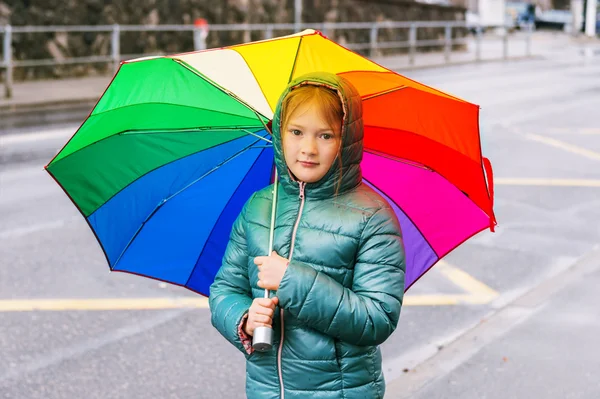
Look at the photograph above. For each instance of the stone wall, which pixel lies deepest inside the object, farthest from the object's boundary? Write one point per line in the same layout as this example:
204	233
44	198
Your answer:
61	46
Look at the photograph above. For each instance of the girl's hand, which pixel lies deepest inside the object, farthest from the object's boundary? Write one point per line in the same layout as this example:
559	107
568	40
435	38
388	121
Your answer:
271	270
260	314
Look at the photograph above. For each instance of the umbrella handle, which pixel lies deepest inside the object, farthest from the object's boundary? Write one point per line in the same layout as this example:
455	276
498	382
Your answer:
262	340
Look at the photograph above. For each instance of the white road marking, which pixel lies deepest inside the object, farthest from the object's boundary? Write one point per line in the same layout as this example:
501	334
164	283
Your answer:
522	181
23	231
62	133
584	152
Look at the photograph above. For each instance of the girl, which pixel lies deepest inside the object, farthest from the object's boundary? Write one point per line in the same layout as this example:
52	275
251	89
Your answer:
338	265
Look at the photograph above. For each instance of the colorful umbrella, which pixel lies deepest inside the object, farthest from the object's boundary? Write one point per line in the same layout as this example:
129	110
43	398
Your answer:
162	166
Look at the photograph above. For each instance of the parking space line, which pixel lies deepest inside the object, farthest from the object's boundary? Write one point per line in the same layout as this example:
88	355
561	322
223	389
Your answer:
573	131
589	131
116	304
564	146
29	305
446	300
518	181
478	291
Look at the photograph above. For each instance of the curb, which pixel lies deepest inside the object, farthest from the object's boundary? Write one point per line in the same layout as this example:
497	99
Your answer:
34	106
499	322
18	116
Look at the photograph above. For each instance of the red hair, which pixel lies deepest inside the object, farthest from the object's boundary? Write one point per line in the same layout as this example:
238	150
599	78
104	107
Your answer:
326	102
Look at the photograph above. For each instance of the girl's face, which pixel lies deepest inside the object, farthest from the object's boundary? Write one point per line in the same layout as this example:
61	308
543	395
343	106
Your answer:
310	145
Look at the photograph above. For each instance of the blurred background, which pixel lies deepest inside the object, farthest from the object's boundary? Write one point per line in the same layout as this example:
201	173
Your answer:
91	27
508	314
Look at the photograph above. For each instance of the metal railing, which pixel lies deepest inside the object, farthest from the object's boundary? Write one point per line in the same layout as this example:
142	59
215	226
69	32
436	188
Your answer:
372	46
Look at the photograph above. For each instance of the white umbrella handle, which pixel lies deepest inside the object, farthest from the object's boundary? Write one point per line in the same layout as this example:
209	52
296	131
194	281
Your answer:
262	340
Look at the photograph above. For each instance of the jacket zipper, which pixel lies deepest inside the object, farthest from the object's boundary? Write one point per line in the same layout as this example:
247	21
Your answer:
302	185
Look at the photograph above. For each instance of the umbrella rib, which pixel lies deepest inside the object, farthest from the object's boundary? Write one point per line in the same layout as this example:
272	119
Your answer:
171	131
164	201
381	93
256	80
210	171
438	172
121	133
257	136
218	86
186	130
396	159
160	166
387	70
204	247
86	217
394	129
175	105
228	92
295	59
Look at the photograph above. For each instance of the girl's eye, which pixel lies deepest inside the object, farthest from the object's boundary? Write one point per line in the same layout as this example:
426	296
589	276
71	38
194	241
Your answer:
327	136
295	132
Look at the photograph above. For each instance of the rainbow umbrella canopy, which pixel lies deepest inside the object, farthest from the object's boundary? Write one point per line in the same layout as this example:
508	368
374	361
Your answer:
175	146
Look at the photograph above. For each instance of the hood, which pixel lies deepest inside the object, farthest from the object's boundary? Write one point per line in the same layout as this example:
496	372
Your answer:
352	139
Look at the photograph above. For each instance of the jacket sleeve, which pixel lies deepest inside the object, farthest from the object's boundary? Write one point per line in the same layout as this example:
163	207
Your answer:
366	314
230	293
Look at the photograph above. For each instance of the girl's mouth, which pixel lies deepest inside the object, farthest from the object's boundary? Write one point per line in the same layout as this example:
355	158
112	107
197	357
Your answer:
308	164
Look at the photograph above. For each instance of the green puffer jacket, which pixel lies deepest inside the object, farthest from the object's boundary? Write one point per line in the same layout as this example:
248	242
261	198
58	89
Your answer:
342	291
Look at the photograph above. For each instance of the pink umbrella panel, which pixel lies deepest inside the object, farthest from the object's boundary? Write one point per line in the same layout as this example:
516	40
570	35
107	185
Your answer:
431	227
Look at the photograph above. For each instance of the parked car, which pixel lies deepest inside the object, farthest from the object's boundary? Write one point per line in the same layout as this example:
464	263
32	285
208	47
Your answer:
553	19
519	15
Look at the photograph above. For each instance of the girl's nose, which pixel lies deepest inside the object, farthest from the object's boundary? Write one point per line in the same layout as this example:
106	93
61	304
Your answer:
309	146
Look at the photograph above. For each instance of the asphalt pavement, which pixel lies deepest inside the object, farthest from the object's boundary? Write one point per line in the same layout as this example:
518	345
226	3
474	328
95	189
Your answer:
510	314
